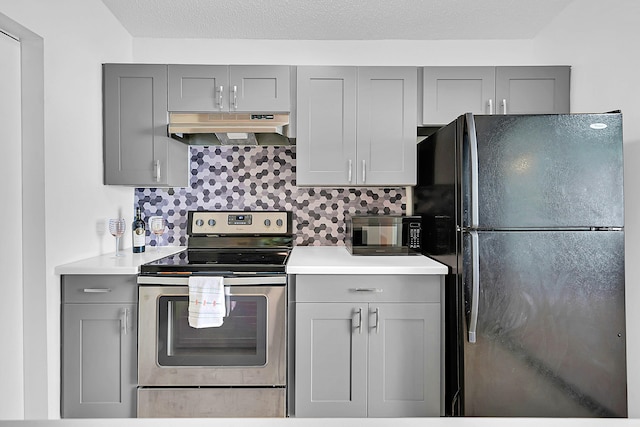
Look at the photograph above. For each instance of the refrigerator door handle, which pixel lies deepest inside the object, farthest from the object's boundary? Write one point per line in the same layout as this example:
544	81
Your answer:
473	147
475	286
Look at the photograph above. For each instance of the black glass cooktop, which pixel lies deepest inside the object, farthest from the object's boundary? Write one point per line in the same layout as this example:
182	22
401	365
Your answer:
218	260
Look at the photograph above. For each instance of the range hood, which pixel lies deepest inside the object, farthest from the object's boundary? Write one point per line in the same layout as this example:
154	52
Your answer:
226	128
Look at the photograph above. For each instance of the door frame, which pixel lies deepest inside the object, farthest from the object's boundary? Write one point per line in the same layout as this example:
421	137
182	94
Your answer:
33	219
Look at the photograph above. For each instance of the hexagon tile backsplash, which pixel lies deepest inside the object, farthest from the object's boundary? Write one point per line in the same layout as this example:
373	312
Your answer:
262	178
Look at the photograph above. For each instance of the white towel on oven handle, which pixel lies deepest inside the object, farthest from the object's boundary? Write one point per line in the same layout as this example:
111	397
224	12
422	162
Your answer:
206	301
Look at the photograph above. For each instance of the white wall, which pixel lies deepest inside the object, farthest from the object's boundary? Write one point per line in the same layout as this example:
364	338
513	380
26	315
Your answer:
74	199
312	52
12	384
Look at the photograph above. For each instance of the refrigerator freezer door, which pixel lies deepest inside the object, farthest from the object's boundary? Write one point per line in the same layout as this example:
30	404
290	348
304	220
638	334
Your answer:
544	171
550	338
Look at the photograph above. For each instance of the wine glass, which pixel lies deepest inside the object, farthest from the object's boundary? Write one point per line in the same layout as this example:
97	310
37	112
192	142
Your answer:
116	228
157	226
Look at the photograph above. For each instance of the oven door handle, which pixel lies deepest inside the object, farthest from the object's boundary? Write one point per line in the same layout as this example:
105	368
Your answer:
228	281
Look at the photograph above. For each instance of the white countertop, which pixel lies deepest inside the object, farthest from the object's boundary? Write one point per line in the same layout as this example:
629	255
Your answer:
303	260
110	264
338	260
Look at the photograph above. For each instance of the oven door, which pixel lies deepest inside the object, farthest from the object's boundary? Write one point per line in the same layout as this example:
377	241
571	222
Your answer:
248	349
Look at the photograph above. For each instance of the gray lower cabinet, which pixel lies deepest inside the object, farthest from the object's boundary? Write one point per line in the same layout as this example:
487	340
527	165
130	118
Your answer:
356	125
137	149
451	91
99	346
229	88
375	354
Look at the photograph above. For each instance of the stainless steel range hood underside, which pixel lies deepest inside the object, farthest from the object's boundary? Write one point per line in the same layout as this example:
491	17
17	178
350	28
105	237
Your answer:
229	128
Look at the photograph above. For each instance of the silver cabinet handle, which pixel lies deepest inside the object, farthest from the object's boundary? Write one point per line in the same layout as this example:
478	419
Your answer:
220	93
359	324
504	106
473	142
125	320
157	166
235	97
490	104
364	171
475	287
377	290
350	170
377	325
96	290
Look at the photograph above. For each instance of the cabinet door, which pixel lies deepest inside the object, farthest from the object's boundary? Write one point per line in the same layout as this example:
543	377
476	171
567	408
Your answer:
532	90
137	150
449	92
99	361
331	360
326	126
404	360
386	132
198	88
259	88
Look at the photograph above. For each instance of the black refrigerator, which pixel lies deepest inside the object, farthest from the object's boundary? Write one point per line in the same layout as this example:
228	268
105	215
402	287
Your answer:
527	211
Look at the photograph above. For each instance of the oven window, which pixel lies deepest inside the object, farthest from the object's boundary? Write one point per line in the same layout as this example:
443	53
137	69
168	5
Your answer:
240	341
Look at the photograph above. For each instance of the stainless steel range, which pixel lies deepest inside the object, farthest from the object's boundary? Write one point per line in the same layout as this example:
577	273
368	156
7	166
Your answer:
237	369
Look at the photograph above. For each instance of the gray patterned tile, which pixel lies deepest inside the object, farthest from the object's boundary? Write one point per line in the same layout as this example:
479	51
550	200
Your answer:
262	178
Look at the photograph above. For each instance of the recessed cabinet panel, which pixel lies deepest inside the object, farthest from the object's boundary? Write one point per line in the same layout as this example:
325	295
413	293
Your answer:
386	133
99	360
197	87
338	386
449	92
330	361
533	90
326	125
335	139
100	348
260	88
404	360
137	150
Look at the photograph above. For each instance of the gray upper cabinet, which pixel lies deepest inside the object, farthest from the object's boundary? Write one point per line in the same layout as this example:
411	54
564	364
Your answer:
386	130
137	150
99	355
222	88
451	91
356	125
326	125
532	90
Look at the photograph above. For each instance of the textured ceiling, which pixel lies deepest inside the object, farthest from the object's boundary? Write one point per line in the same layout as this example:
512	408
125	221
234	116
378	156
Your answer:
336	19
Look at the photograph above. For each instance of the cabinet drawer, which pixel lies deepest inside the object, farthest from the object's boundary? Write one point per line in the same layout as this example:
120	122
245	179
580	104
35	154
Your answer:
99	288
368	288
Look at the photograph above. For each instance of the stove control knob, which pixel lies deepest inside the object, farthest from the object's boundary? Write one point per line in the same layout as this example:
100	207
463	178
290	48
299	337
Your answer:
267	222
212	222
279	223
199	223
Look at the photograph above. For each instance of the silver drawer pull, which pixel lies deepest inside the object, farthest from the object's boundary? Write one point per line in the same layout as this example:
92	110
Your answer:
377	290
377	325
96	290
359	325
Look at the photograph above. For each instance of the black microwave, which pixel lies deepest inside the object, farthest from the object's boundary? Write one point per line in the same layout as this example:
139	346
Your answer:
383	234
